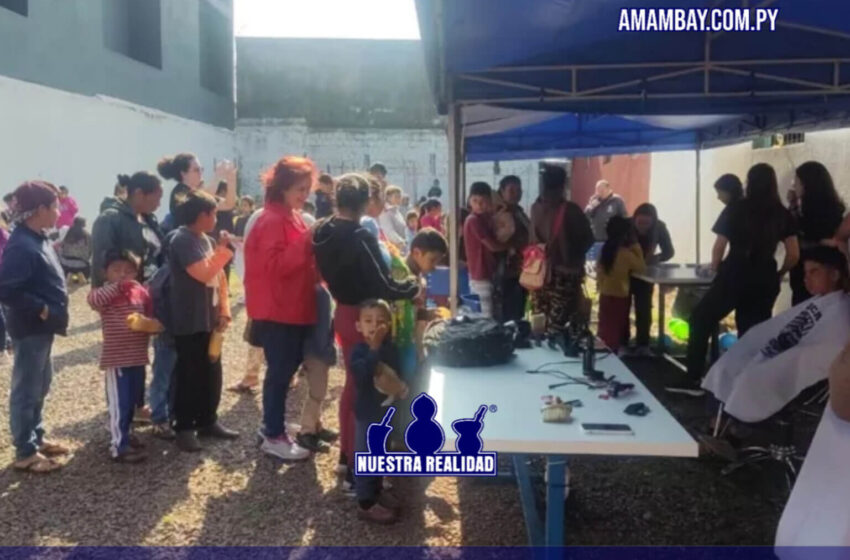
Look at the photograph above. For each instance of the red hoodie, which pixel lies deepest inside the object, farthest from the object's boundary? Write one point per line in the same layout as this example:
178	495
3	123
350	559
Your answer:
280	271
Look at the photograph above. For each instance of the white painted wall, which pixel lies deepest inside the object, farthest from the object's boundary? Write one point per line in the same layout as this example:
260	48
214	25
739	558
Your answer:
414	157
85	142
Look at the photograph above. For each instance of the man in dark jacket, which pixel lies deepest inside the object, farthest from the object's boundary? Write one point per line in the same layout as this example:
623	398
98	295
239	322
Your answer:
128	226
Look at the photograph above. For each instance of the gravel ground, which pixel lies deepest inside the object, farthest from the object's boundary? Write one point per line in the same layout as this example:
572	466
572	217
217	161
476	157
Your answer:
231	495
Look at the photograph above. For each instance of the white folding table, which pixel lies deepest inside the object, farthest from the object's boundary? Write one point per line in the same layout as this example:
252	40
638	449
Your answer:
668	277
515	424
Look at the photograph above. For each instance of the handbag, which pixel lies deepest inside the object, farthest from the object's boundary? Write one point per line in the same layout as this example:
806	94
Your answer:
535	260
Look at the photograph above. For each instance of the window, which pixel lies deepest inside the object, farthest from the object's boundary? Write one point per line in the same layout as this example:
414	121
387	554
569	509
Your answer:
778	140
215	26
18	6
134	29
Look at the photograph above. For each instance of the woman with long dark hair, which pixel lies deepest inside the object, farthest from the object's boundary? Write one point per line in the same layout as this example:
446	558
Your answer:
821	212
186	169
747	280
657	247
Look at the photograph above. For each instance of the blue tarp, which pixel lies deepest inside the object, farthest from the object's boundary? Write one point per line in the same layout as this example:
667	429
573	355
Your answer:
568	55
576	134
567	58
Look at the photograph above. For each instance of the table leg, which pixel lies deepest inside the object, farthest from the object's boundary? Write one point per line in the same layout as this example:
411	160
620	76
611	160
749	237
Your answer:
528	501
662	345
556	467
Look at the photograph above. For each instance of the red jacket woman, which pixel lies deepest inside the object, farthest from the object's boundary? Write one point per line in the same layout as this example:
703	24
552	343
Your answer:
280	272
280	291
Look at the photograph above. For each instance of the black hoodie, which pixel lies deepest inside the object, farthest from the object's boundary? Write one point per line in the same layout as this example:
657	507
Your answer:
118	227
350	262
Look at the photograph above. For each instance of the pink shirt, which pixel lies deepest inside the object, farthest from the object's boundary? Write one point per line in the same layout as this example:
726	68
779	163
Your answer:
432	222
67	212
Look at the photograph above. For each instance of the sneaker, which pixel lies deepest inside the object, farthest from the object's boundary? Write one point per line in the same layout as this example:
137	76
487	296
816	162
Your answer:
346	483
312	442
163	431
327	435
688	387
377	514
284	448
142	415
187	441
217	431
131	457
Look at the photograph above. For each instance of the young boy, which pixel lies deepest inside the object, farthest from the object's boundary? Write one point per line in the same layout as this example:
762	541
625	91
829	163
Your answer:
412	221
33	292
825	270
199	291
376	357
427	250
319	356
481	245
391	219
124	355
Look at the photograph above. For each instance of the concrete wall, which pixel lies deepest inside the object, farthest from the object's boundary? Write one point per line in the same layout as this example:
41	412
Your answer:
335	83
84	142
61	44
414	157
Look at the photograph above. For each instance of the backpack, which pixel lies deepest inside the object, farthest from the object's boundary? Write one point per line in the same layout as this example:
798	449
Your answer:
467	342
535	263
159	287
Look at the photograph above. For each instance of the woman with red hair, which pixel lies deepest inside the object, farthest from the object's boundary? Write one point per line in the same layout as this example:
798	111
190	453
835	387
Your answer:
280	292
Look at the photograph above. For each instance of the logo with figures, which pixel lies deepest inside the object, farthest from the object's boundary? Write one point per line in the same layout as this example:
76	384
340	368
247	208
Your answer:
425	438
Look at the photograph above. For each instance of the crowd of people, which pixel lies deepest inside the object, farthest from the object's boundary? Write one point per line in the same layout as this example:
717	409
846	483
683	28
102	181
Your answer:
168	284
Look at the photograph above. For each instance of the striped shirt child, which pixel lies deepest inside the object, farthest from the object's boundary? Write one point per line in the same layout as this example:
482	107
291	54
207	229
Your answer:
124	354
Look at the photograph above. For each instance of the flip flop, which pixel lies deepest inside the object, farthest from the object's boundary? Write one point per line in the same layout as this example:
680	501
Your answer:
37	464
50	449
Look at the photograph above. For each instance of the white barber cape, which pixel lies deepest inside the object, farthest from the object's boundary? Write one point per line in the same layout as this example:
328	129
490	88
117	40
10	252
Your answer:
776	360
818	511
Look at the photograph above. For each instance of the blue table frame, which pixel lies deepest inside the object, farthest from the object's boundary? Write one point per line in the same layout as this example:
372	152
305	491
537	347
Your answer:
547	532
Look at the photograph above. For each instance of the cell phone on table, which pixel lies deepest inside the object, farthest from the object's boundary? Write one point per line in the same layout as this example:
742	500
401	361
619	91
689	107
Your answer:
607	429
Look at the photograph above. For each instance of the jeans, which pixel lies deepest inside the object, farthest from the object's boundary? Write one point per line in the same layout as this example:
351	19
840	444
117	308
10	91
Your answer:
367	488
197	383
283	346
161	390
484	290
31	376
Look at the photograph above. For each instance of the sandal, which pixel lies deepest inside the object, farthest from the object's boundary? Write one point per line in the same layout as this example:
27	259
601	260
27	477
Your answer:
51	449
243	389
37	464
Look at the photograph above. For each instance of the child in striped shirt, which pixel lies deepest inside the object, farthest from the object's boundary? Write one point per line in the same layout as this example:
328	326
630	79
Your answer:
125	309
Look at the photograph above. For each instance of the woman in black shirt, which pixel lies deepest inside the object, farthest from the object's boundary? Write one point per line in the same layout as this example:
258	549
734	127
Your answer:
747	280
821	212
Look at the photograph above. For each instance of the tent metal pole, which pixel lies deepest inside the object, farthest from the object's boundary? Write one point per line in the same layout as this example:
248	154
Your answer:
698	224
455	138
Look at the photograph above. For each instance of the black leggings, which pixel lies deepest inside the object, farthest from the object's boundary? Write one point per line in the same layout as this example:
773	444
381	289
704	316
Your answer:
197	383
641	294
749	290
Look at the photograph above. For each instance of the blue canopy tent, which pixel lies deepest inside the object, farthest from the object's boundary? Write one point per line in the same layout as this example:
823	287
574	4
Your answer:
568	59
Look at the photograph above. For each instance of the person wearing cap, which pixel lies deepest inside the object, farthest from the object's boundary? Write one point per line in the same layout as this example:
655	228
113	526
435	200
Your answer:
33	291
